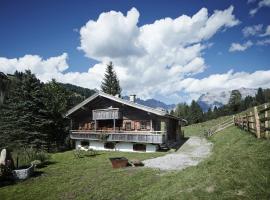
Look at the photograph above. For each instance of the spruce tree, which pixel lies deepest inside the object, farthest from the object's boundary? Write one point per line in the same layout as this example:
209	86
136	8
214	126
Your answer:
196	113
24	120
235	101
260	98
110	83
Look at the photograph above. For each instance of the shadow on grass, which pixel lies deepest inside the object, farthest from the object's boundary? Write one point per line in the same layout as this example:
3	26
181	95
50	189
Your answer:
46	164
83	155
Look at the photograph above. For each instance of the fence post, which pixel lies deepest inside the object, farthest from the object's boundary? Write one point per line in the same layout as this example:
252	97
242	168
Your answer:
247	118
257	122
266	123
251	122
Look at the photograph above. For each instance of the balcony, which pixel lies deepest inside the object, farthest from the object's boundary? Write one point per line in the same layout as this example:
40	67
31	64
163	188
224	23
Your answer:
104	114
153	137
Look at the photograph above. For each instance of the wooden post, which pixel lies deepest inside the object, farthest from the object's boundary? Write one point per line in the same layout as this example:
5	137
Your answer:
247	120
257	122
251	120
114	124
95	125
151	125
266	123
71	125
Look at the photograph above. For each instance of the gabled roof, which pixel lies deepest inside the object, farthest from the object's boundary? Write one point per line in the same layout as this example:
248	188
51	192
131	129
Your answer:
119	100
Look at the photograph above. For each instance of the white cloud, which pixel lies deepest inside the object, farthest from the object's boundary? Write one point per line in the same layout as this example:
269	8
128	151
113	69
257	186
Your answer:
265	42
150	60
240	47
35	63
227	81
252	30
262	3
267	32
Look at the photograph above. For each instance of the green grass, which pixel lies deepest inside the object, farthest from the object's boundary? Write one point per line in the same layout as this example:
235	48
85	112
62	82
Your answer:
237	169
199	128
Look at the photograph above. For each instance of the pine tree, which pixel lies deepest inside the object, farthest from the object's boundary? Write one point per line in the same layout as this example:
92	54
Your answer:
110	83
235	101
4	83
24	120
260	98
56	102
196	113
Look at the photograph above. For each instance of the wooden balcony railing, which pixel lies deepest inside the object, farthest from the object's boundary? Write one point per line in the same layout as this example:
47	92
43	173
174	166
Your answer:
153	137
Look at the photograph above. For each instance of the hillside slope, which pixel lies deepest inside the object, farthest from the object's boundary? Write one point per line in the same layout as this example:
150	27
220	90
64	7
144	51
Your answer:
238	168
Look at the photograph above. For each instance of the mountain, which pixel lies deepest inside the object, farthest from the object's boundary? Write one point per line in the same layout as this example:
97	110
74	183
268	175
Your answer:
153	103
218	99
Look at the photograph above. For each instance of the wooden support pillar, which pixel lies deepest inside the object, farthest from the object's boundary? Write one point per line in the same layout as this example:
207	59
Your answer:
71	124
114	124
257	122
95	125
266	123
151	125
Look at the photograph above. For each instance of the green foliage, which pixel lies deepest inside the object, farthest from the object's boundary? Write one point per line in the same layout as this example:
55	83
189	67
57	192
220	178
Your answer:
76	94
31	116
260	97
235	100
4	84
25	156
196	113
110	83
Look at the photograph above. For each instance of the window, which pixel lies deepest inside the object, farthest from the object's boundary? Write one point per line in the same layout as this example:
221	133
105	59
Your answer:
128	126
139	147
85	143
143	125
109	145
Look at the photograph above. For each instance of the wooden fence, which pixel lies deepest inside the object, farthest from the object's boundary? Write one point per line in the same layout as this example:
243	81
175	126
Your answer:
255	121
219	127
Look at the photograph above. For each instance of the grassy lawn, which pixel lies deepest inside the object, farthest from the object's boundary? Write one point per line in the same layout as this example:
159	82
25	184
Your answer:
198	129
237	169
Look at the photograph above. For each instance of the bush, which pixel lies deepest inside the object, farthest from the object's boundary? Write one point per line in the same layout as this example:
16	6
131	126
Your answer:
24	157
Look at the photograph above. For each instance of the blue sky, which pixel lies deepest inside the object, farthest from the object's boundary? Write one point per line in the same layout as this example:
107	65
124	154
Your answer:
49	29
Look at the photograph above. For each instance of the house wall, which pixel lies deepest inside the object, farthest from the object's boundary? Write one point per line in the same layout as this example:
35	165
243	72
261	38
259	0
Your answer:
121	146
129	114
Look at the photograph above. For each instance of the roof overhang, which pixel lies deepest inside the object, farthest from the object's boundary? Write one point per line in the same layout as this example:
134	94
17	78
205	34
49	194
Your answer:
119	100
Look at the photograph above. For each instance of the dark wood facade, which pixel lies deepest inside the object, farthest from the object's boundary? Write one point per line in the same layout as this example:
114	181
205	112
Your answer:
122	122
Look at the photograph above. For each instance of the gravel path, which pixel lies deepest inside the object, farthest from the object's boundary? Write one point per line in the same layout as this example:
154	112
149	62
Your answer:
190	153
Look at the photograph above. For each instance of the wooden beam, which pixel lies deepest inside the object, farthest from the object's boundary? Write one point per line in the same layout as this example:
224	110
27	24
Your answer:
257	122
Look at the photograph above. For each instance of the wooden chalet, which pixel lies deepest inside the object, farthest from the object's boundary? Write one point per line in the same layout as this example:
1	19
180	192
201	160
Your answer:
106	122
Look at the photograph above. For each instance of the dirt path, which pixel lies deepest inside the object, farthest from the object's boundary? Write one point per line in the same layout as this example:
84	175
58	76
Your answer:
190	153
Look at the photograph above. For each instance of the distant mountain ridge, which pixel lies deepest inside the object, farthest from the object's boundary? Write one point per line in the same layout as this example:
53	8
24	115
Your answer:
218	99
153	103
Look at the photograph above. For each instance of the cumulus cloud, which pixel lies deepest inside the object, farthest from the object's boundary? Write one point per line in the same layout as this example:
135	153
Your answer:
150	60
252	30
227	81
35	63
152	57
262	3
240	47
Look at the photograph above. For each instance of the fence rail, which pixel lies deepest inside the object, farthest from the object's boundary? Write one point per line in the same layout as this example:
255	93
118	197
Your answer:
255	121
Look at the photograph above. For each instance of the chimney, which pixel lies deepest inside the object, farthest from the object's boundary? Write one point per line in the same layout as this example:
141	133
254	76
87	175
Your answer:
132	98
